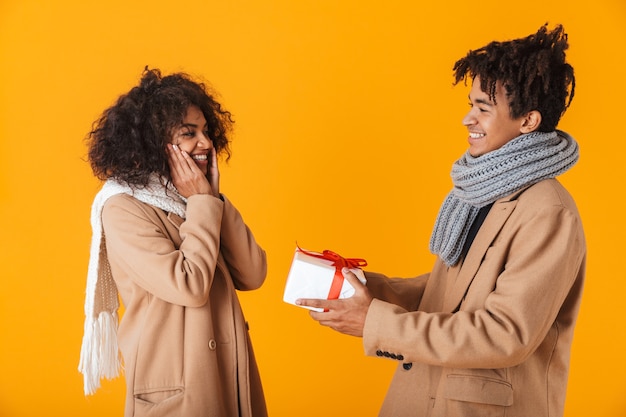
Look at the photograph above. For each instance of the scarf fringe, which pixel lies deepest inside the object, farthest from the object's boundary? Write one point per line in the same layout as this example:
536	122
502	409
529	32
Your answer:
99	355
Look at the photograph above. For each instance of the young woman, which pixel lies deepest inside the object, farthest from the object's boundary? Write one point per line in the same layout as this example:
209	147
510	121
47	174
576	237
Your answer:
176	250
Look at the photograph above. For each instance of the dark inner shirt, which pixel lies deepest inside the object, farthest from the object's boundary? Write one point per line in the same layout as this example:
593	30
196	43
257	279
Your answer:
480	218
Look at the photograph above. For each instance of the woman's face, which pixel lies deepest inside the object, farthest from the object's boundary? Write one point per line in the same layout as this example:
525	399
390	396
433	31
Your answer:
192	137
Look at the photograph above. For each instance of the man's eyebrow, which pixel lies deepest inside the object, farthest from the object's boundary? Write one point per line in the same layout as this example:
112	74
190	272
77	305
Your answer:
481	101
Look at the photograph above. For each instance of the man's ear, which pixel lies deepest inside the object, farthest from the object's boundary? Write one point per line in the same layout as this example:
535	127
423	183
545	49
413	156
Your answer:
530	122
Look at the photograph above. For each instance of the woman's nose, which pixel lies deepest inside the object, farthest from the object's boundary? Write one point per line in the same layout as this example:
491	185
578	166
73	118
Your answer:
205	141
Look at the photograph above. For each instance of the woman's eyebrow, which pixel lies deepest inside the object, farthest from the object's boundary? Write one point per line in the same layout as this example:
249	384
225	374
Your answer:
193	125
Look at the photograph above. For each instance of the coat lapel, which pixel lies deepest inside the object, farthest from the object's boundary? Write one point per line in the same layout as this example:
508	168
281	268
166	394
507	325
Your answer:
461	276
175	219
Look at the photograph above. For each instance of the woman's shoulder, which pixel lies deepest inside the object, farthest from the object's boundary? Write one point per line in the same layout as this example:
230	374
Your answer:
122	200
124	204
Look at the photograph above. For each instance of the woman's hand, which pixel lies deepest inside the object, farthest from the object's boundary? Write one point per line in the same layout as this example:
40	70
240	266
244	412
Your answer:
187	177
214	173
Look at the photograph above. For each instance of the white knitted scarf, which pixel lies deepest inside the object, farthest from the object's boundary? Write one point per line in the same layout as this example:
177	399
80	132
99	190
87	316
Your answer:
99	355
479	181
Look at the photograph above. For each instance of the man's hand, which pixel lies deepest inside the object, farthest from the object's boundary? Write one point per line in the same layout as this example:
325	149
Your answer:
345	315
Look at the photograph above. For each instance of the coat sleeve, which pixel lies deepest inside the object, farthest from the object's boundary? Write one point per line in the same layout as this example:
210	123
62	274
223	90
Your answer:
246	260
136	240
530	273
404	292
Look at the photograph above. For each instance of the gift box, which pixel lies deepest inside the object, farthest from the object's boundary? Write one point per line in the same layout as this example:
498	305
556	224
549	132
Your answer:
318	275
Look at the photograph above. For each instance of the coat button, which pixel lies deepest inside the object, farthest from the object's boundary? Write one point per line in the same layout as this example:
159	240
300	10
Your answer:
400	357
212	344
407	366
379	353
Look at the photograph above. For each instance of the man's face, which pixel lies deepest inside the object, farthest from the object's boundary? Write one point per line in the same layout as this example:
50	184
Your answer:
489	124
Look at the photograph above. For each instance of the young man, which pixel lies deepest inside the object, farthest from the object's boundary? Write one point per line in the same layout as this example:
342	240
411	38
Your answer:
488	331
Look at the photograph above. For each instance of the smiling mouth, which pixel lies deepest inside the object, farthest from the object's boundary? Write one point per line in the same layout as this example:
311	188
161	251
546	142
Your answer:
199	157
476	135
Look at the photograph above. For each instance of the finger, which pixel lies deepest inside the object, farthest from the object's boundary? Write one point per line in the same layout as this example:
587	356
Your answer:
187	161
169	149
172	160
352	278
183	160
176	159
314	302
214	159
319	315
214	173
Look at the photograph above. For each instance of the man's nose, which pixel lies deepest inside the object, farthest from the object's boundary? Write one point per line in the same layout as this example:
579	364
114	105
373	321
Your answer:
469	119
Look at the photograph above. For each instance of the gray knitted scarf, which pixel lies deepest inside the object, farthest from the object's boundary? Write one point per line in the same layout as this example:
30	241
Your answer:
479	181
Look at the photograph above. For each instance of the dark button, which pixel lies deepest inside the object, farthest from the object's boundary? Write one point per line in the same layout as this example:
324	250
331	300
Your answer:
386	354
400	357
407	366
379	353
394	356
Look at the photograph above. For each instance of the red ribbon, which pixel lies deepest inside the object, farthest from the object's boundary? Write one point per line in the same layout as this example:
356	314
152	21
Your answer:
339	263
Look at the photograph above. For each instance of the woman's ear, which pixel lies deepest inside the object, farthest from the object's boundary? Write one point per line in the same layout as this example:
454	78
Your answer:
531	121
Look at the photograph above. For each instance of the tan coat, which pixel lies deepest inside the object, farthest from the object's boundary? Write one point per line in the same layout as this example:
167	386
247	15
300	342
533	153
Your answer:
490	337
183	336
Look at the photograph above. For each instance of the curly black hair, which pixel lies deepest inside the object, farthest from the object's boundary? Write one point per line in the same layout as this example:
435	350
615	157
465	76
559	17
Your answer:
128	141
532	70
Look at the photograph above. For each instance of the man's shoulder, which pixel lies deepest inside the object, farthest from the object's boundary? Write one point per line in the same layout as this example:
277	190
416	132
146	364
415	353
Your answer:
548	192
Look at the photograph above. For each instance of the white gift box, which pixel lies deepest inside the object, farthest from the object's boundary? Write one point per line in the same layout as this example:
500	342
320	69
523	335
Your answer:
312	277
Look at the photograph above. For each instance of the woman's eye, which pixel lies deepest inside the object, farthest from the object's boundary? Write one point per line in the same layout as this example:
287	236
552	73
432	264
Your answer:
189	134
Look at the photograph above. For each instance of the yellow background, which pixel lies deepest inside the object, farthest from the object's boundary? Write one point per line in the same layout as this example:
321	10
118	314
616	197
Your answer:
347	126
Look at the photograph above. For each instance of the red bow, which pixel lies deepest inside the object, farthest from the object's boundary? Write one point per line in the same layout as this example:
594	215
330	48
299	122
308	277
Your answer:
339	263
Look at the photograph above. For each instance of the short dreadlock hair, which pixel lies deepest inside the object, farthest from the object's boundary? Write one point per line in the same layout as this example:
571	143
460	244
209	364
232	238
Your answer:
532	71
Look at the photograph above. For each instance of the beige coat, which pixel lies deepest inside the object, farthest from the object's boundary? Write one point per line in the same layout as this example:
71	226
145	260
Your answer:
183	336
490	337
